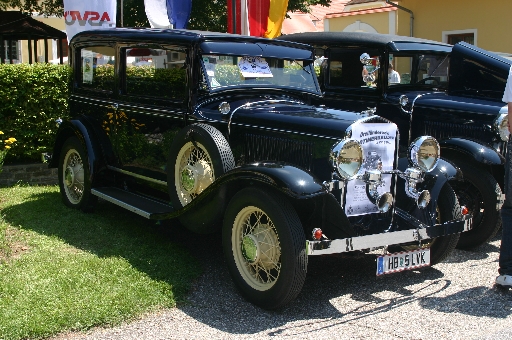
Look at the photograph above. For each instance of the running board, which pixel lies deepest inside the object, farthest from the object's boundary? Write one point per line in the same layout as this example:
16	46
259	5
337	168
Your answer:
141	205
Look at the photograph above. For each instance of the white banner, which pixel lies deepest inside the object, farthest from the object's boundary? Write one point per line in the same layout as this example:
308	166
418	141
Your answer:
156	11
82	15
378	142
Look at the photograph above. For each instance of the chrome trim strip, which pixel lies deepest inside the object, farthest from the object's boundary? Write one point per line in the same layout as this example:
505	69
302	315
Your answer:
287	131
129	173
121	204
267	101
384	239
125	107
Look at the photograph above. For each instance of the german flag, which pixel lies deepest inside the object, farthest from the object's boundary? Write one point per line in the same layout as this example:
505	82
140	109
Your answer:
257	18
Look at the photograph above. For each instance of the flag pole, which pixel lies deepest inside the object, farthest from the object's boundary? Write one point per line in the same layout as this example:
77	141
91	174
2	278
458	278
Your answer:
233	10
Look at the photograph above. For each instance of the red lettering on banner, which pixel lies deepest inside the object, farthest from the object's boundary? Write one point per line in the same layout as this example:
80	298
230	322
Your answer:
105	17
91	15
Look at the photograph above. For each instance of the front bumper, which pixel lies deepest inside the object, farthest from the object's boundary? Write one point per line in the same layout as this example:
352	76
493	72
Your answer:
418	232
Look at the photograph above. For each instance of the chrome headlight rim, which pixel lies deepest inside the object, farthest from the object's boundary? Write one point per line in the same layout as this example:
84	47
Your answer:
414	153
339	150
500	125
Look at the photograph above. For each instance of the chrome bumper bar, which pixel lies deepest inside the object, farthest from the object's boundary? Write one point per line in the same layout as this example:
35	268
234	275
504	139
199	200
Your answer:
420	232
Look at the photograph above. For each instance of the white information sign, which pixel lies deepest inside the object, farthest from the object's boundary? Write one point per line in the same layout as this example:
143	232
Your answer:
378	142
87	67
254	67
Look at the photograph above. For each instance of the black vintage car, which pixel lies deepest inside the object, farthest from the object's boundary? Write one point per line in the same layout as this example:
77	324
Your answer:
218	131
427	88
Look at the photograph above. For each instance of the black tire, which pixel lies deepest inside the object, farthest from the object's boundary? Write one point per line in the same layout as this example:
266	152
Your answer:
448	209
74	176
478	192
204	154
271	271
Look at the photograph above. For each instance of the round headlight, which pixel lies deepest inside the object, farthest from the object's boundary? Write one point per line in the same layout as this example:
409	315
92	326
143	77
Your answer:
347	158
424	153
501	126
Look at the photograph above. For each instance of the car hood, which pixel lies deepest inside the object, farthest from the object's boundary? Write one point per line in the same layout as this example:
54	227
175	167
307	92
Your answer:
298	118
477	72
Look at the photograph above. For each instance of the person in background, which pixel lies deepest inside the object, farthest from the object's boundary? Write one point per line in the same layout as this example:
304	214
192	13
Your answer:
505	260
393	76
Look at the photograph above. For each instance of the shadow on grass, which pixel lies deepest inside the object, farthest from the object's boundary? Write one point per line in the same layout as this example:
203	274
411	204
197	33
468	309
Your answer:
111	231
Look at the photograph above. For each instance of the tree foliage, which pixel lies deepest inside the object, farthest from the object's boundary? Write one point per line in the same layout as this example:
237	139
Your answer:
208	15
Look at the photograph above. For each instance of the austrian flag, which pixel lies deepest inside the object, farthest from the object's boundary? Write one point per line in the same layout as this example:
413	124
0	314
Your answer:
257	18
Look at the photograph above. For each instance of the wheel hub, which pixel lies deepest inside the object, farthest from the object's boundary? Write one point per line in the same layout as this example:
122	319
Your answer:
188	179
69	176
196	177
250	248
262	247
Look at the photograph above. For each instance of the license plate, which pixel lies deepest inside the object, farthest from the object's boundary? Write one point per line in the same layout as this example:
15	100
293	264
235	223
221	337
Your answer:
405	260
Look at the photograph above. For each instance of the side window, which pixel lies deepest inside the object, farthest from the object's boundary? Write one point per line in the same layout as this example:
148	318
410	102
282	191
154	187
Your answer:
399	70
157	73
97	68
346	69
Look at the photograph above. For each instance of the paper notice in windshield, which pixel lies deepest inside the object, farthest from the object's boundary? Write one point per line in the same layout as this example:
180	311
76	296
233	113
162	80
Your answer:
254	67
87	66
378	142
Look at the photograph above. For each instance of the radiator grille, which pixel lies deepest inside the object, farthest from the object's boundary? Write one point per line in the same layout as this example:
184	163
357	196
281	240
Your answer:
266	148
441	130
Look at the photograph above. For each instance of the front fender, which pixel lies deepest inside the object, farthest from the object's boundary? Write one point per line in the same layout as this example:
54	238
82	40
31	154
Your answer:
314	204
481	153
289	180
433	182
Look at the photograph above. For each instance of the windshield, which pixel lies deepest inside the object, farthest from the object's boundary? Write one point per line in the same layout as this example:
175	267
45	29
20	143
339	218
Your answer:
229	71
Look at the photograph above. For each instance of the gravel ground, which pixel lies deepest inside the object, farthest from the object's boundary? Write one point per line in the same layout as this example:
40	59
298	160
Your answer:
342	298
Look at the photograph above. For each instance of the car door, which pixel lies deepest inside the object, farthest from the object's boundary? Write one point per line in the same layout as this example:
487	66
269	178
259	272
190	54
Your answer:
151	109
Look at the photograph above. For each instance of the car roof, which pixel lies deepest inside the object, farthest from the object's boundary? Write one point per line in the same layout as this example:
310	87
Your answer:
154	35
394	42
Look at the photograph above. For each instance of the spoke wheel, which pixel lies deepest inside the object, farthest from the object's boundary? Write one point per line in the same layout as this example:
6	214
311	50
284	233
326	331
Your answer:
74	180
193	172
73	176
256	248
264	246
198	155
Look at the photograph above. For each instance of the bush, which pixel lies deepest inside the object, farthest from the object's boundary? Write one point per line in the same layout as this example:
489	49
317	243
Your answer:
32	97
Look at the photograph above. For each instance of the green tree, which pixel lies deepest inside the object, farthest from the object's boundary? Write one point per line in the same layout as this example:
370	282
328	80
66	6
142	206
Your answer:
208	15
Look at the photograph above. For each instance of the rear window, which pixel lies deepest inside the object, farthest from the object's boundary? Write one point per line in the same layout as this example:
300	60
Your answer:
97	68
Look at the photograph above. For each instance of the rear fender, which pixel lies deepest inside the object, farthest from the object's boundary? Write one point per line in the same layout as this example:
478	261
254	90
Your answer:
83	130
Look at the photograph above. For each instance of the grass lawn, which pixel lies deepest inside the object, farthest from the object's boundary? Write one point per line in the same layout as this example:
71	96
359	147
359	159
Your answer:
61	269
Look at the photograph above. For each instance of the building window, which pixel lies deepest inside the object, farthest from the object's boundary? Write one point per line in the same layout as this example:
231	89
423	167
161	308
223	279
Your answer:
469	36
13	52
465	37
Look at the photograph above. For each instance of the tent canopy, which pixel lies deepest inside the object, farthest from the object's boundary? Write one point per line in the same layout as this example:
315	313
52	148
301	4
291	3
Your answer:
15	25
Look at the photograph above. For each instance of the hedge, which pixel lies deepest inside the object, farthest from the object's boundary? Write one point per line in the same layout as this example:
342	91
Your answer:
32	97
